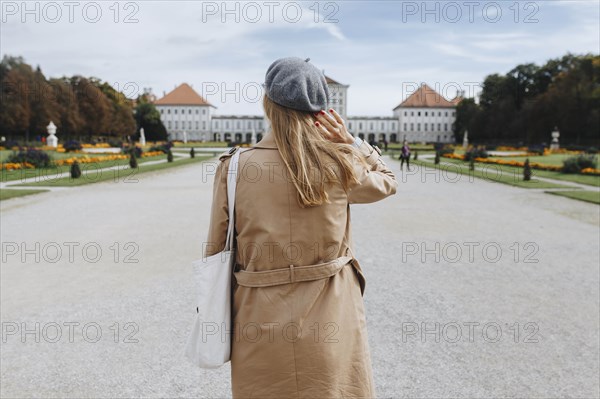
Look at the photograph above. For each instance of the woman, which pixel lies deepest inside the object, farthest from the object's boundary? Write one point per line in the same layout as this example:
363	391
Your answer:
299	328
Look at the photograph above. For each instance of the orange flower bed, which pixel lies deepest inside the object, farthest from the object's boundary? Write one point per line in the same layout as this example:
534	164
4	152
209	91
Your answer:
454	156
152	154
590	171
16	166
86	159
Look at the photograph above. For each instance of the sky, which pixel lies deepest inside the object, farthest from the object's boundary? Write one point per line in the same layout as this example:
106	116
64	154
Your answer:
382	49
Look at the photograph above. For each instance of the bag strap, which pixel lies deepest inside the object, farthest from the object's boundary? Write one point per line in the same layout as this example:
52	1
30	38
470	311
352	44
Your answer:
232	173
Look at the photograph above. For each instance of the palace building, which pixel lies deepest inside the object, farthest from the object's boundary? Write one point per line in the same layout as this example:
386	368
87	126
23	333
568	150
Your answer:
424	116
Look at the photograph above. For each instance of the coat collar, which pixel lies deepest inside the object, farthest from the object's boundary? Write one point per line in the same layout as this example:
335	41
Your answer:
268	141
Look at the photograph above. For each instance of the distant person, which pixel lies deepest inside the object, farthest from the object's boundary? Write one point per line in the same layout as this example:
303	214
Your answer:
385	144
405	156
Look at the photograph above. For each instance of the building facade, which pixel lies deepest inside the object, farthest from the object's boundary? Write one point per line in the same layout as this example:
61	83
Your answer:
424	116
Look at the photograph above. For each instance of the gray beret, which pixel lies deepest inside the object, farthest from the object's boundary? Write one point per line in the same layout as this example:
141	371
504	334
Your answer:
298	84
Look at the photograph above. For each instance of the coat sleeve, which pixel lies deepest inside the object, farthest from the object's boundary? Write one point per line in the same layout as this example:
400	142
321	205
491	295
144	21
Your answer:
376	181
219	214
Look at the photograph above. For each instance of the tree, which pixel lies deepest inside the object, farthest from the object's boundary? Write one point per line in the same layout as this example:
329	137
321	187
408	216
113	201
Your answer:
148	117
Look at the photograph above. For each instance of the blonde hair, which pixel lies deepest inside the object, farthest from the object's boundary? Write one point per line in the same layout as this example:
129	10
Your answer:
302	146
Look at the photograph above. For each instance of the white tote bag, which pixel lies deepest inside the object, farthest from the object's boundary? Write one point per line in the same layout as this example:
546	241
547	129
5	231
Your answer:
209	343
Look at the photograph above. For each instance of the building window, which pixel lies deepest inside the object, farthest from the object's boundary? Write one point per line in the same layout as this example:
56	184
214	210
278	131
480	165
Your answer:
404	127
169	124
439	126
190	125
169	111
412	113
419	113
161	111
425	113
425	126
371	126
189	111
432	127
176	125
393	125
260	124
382	126
196	111
360	126
203	111
239	124
197	125
412	127
418	127
445	127
249	124
226	124
203	125
440	113
446	113
453	113
349	125
216	124
175	111
405	113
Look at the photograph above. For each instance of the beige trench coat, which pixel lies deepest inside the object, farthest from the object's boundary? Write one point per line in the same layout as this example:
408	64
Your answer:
297	332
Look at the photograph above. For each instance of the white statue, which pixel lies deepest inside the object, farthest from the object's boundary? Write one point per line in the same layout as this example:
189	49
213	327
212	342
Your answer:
253	137
466	140
142	137
184	136
52	140
555	135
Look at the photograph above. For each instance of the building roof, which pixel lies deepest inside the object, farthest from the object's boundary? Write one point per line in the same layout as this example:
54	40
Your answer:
425	97
333	81
183	94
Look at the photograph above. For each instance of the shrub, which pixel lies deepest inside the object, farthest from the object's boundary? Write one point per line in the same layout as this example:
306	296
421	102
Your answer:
8	144
472	164
162	147
132	160
115	143
169	156
137	151
527	171
536	149
479	152
192	153
443	148
75	170
437	158
72	145
35	157
577	163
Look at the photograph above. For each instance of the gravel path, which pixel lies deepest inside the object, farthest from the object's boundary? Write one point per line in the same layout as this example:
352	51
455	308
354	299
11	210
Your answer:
547	312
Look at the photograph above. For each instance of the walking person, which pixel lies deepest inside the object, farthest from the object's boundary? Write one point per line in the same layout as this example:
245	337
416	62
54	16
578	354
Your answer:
405	156
299	327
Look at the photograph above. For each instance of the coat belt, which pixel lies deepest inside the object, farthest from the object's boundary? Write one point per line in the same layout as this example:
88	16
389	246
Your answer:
291	274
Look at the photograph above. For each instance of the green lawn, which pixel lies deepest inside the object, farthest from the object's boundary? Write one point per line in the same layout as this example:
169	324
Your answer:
7	193
452	167
589	180
124	174
50	172
552	159
587	196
